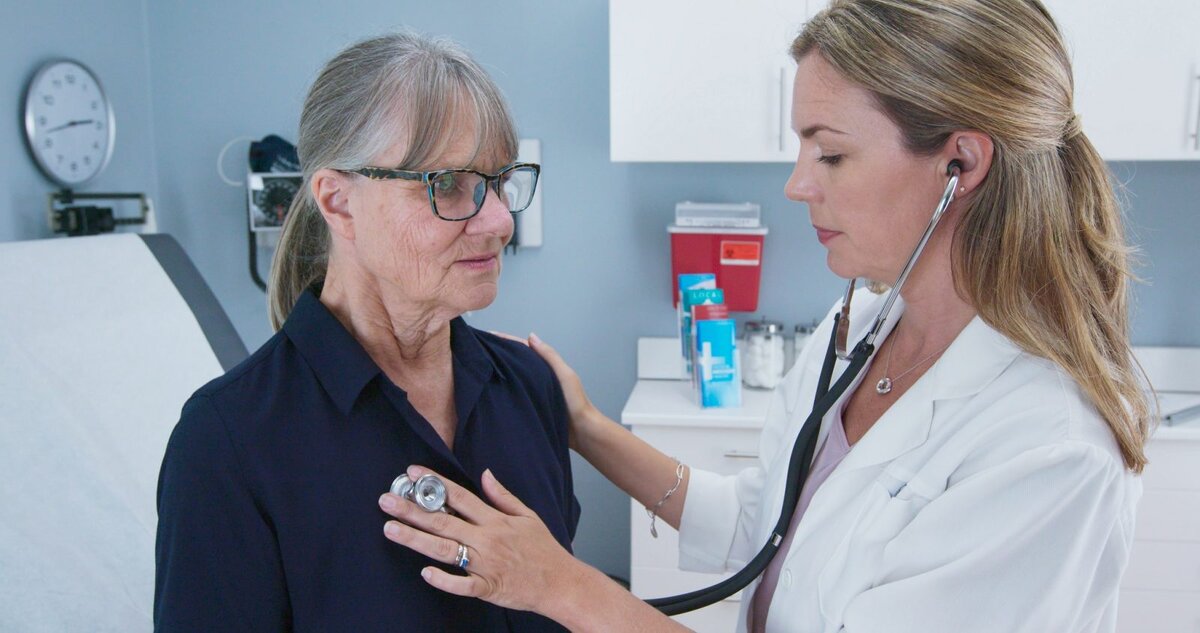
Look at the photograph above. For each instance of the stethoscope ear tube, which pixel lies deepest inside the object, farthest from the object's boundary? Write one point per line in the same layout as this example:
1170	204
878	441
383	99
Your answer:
798	466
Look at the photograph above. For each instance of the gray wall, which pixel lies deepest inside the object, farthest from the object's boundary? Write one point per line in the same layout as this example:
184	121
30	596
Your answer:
223	69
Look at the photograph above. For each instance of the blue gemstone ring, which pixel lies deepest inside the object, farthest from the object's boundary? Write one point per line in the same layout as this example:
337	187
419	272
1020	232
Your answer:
462	560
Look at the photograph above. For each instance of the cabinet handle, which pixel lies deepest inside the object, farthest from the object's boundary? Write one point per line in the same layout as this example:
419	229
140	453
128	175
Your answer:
782	105
1196	128
741	455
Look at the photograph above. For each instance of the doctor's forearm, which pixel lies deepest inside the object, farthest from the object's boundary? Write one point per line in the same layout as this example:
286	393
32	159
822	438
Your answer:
593	603
642	471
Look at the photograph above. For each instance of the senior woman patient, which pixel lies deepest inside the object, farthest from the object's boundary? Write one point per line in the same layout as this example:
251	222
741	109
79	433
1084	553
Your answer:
267	506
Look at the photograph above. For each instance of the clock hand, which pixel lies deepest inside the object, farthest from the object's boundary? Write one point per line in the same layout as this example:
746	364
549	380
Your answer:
70	124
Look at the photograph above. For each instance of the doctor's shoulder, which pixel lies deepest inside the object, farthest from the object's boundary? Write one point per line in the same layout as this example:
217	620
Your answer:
1034	407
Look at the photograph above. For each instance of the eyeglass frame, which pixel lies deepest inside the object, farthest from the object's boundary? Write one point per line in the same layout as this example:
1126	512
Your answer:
427	178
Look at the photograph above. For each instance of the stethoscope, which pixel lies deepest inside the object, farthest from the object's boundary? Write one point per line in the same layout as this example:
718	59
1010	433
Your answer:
429	492
806	440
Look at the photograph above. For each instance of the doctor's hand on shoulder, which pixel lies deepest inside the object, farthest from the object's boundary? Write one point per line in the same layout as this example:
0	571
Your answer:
584	415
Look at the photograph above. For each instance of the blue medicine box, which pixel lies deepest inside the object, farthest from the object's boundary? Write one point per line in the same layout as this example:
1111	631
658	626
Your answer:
719	376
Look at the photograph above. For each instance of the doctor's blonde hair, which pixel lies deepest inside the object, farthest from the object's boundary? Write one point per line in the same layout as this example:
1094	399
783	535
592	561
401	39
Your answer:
400	87
1039	251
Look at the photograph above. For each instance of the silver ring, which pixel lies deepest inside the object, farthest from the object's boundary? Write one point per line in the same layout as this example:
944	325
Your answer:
462	560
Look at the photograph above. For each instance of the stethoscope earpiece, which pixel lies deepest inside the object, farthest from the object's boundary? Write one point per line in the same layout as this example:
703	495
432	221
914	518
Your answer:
955	165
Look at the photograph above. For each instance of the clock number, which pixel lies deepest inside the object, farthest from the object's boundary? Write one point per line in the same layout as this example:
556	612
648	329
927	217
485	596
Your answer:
99	125
95	105
96	145
87	160
49	143
60	158
41	120
71	79
48	99
74	166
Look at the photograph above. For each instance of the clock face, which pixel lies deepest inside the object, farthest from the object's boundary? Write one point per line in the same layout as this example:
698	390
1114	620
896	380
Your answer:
68	122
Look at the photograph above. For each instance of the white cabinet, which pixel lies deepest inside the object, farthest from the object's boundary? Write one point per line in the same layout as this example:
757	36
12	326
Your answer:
710	81
1161	587
663	413
1137	75
702	81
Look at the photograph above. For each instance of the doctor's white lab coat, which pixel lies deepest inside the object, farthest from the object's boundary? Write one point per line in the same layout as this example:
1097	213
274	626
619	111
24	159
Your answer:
990	497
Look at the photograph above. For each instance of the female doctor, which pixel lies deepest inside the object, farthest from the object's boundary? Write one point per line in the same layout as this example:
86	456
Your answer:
980	475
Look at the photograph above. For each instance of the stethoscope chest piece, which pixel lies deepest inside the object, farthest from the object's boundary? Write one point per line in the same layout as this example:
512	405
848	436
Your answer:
428	492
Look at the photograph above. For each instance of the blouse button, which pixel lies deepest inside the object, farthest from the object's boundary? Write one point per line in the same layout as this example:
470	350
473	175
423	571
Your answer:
787	578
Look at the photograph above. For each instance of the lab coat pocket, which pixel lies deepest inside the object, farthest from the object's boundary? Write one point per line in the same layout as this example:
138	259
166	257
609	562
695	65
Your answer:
857	565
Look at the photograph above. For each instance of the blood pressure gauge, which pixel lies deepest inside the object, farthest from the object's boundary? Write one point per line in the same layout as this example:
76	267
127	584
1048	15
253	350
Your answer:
69	124
270	198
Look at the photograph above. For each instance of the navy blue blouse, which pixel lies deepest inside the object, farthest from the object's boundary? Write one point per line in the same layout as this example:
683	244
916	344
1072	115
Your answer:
268	495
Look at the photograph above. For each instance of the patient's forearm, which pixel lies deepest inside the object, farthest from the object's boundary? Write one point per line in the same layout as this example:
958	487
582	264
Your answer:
642	471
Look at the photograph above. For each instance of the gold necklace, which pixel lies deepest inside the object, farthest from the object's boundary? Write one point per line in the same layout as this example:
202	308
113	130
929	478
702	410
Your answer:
884	386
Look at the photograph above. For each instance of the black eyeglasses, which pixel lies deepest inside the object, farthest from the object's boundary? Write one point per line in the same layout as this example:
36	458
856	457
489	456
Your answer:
457	194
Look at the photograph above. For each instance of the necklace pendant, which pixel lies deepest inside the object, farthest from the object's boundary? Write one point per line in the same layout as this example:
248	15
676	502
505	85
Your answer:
884	386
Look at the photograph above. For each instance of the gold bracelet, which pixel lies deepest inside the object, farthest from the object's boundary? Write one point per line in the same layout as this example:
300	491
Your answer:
654	512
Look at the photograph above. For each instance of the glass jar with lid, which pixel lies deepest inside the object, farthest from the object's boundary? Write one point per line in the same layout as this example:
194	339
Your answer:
763	354
800	337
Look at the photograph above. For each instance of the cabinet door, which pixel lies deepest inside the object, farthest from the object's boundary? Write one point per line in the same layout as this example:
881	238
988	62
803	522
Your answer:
702	81
710	80
1136	66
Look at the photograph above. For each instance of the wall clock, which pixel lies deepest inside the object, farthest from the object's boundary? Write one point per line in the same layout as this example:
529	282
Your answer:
69	123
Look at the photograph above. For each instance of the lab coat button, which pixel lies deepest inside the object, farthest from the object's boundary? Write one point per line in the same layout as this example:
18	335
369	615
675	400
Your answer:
787	578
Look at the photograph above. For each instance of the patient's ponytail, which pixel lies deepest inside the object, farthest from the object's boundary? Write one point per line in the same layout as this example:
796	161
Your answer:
300	259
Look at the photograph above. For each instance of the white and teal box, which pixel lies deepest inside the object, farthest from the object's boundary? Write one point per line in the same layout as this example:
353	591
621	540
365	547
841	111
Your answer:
720	375
689	281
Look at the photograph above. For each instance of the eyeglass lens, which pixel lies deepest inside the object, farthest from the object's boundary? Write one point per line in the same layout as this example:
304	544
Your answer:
460	195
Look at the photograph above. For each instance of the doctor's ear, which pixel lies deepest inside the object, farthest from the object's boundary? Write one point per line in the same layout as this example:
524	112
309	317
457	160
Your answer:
331	190
972	151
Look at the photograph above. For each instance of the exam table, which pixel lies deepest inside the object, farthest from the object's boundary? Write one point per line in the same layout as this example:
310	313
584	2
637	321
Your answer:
102	340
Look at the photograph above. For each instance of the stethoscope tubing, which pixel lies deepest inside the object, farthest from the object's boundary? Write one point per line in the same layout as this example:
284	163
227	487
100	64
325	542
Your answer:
798	464
805	445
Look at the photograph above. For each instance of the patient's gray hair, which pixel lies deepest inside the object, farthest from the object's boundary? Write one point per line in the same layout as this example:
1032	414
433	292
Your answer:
398	88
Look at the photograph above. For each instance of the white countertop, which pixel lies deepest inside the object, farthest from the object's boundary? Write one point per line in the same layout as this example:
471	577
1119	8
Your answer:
673	403
1187	428
657	399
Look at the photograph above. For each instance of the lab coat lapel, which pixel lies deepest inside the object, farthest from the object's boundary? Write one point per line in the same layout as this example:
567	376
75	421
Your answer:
900	429
865	306
976	357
